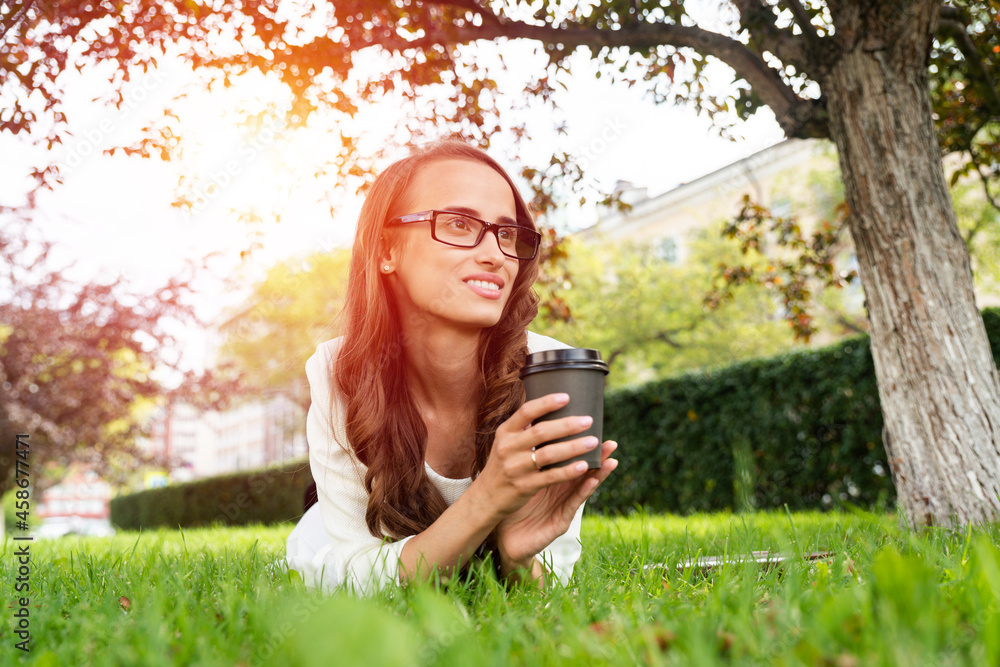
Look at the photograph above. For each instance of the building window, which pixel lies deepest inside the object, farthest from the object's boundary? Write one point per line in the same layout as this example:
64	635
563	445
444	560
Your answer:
781	208
667	250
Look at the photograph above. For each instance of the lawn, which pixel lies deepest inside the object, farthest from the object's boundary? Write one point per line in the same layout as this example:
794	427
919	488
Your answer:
884	595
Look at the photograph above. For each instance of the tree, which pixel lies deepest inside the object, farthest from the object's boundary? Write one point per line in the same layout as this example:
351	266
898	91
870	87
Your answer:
81	364
75	364
979	222
804	252
645	313
966	97
857	73
279	326
804	261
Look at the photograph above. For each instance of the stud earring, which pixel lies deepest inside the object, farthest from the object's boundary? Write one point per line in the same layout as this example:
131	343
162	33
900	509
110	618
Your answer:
386	268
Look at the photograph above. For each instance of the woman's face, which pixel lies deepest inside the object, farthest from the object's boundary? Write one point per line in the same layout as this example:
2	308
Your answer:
468	287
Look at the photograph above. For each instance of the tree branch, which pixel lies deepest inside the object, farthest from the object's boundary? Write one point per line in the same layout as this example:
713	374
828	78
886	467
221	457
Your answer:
950	13
757	18
855	325
470	5
985	182
802	18
17	12
664	336
796	116
955	29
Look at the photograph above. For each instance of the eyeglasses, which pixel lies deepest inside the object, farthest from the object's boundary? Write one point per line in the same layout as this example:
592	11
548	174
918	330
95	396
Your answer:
465	231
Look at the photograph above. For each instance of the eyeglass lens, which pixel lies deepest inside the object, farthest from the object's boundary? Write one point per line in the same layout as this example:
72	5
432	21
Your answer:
461	230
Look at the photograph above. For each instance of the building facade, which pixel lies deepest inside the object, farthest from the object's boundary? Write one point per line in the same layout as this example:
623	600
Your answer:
786	178
203	443
797	177
80	503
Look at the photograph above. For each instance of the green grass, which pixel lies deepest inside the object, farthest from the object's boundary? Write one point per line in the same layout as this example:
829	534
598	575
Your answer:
208	597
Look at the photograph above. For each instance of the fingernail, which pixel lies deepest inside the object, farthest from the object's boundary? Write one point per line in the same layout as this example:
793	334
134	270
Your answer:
590	442
586	421
562	398
580	466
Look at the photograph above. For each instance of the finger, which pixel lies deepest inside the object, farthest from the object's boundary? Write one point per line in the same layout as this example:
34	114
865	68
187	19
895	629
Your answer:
532	410
596	477
561	451
585	486
560	429
607	467
608	448
571	472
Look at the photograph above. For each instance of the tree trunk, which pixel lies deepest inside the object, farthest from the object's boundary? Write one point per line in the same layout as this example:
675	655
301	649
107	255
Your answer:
937	380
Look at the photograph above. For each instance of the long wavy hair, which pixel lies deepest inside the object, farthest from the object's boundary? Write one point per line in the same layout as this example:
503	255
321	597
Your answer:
383	425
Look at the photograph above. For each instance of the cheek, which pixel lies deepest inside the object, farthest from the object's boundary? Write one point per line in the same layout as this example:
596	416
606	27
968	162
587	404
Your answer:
514	269
412	256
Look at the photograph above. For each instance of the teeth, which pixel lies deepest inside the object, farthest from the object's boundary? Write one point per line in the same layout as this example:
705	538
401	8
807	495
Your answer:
483	284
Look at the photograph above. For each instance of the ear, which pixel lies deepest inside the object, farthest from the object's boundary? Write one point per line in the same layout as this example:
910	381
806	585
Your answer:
388	255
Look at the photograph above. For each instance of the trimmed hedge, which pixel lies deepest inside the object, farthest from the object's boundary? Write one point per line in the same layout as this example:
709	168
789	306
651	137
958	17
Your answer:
802	429
270	495
807	427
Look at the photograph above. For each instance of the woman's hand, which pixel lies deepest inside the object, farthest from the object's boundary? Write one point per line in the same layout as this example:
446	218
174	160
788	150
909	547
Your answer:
531	506
549	513
511	477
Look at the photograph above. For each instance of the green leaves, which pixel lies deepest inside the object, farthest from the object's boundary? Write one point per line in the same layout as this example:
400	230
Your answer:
964	76
289	313
643	308
810	262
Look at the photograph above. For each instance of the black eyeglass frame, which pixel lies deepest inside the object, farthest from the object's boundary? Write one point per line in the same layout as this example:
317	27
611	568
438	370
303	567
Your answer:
431	216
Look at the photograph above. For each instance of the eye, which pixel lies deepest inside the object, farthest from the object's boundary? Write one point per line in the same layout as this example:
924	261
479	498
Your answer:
507	234
457	222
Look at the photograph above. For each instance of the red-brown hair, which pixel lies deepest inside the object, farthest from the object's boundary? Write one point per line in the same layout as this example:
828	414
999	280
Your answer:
383	425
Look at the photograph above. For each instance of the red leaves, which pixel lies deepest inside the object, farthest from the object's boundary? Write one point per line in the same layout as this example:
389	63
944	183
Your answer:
77	357
663	638
726	641
798	261
600	628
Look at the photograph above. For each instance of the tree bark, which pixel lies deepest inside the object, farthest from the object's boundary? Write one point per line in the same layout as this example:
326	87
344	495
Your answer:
937	381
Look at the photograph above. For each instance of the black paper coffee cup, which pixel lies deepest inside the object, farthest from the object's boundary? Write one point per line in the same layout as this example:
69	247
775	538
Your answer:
579	372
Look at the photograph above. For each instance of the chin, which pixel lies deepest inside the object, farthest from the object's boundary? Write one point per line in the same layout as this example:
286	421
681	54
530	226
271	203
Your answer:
485	320
486	323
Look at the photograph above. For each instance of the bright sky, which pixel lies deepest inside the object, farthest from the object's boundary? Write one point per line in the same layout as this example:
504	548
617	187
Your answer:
113	215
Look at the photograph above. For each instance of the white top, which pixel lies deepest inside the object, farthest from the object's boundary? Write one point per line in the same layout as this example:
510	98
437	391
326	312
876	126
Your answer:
331	544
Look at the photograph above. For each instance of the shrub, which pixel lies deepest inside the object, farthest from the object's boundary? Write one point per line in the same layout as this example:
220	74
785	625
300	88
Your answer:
802	429
270	495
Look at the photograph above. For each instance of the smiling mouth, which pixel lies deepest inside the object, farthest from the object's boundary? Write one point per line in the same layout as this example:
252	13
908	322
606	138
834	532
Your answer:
484	284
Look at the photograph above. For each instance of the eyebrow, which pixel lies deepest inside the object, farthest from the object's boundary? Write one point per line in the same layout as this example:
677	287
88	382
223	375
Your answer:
504	220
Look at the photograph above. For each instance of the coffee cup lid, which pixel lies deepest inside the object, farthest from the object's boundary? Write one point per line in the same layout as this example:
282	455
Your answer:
574	357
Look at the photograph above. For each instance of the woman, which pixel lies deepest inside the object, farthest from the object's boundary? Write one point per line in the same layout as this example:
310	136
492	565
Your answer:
420	442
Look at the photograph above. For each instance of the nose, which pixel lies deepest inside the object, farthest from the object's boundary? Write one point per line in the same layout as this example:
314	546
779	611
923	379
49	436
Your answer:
488	250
